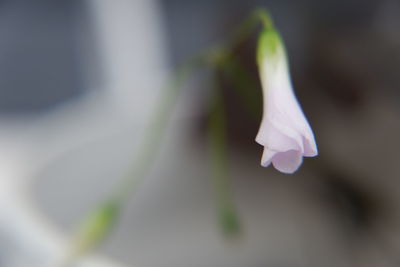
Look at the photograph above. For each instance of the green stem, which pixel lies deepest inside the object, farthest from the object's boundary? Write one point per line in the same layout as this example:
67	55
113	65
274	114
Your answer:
156	130
245	85
263	15
246	28
219	160
222	59
98	224
219	54
226	60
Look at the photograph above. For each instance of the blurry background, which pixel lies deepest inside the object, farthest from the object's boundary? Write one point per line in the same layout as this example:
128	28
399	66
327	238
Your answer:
78	83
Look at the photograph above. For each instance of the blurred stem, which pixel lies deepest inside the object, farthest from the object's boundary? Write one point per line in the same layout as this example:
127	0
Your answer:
224	58
156	130
246	28
98	224
219	160
244	85
218	55
92	231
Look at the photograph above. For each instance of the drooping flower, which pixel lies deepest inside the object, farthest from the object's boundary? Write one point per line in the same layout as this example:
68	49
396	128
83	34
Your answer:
284	132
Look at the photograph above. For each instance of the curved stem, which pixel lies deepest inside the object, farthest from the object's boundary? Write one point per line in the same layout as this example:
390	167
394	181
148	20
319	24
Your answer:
156	130
98	224
246	28
219	159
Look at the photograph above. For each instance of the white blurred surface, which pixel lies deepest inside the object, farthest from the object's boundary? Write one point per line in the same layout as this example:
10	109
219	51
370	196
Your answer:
133	63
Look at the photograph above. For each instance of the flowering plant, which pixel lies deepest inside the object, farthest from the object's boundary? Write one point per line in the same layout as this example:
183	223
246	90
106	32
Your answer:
284	131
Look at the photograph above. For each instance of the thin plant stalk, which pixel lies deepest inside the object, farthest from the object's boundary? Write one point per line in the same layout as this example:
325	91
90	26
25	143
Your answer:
218	147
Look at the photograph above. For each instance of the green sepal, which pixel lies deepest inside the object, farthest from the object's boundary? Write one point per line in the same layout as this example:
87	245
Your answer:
269	46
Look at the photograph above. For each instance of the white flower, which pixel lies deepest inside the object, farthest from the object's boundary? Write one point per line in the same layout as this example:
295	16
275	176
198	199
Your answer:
284	131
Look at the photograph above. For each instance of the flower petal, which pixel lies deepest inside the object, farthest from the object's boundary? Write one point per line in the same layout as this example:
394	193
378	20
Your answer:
276	140
267	156
310	147
287	162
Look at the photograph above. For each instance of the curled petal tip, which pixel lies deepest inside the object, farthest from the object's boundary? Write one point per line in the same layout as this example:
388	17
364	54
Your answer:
286	162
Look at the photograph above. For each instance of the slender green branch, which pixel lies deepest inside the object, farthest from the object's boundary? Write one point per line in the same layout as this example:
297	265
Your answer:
157	128
247	27
219	159
223	59
242	81
98	224
263	15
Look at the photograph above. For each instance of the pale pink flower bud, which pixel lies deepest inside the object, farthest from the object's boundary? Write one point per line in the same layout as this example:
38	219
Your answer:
284	132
